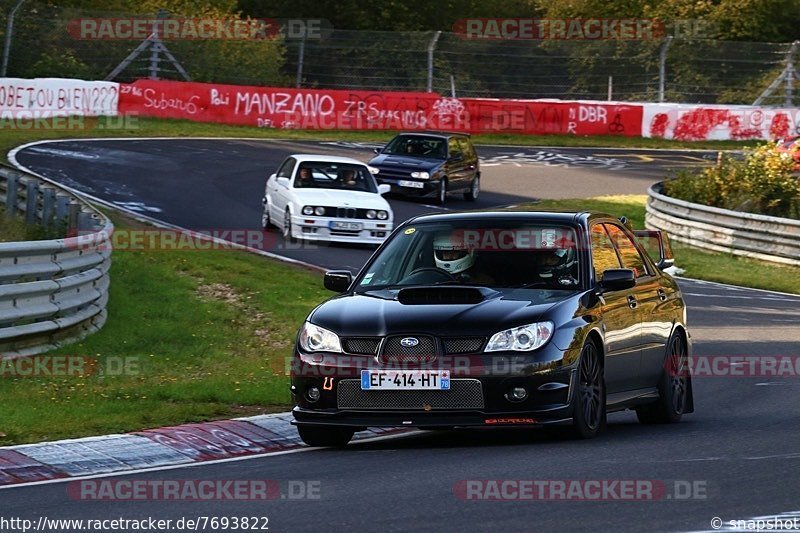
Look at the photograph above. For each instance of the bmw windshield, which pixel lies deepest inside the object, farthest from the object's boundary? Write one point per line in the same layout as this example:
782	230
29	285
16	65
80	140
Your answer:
492	253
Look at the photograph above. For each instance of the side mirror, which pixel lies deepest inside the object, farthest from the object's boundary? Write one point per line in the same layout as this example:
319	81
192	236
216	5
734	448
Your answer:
283	182
271	177
656	244
337	280
456	157
617	279
376	151
383	188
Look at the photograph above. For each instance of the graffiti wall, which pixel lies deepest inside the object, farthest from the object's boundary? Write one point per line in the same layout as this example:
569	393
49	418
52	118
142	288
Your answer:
49	97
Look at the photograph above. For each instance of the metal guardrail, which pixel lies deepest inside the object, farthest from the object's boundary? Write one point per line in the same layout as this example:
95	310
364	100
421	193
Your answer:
721	230
52	292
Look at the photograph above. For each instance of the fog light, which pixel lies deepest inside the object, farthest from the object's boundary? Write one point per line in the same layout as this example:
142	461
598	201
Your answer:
517	394
312	394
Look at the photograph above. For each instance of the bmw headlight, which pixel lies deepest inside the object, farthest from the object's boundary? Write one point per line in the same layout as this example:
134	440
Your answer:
319	211
316	339
383	215
373	170
371	213
522	339
420	175
308	210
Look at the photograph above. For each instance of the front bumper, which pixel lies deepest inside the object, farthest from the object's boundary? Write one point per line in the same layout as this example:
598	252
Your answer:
549	382
314	228
429	187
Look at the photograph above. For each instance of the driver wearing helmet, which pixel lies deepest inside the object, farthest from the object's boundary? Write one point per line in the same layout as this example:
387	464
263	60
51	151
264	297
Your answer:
453	256
558	266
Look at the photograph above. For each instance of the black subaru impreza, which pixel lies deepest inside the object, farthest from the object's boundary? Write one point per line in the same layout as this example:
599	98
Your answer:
496	319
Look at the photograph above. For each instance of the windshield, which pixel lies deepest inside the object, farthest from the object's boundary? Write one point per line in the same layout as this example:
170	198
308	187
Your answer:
322	175
492	253
417	146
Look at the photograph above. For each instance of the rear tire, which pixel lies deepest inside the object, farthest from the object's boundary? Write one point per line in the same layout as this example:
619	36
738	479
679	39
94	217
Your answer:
589	399
474	190
327	436
673	388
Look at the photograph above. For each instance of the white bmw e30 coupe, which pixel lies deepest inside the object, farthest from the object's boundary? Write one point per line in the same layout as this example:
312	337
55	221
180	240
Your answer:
319	197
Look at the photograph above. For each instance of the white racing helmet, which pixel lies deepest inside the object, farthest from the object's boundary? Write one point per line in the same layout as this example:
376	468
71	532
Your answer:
451	254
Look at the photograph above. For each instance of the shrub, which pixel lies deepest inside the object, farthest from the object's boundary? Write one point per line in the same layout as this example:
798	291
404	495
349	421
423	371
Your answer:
761	182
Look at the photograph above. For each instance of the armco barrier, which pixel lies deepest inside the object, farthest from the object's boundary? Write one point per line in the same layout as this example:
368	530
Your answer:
721	230
52	291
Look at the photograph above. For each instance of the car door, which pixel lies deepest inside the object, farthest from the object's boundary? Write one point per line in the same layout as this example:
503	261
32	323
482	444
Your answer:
621	319
456	165
470	160
647	296
280	193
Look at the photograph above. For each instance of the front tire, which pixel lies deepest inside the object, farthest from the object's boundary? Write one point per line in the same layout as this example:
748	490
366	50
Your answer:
326	436
265	220
589	399
474	190
287	226
673	388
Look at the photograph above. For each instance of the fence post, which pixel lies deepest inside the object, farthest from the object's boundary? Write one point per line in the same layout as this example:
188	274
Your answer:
48	205
791	73
9	32
431	47
301	54
31	192
62	209
11	195
662	66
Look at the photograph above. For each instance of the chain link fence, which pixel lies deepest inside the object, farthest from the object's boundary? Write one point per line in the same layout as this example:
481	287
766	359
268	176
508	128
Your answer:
674	70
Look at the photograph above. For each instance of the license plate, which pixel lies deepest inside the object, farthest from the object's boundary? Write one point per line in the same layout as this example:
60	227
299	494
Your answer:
348	226
412	184
405	380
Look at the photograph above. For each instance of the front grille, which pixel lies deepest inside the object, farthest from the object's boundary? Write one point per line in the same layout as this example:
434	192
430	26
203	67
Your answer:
361	345
463	394
423	352
457	345
345	212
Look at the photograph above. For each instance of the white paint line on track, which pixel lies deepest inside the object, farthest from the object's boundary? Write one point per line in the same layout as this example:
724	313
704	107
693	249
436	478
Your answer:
201	463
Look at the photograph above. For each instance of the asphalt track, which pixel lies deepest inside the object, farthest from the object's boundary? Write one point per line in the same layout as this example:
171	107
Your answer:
739	449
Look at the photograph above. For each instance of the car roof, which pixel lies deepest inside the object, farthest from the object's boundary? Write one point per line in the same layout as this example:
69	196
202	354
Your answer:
563	217
305	158
443	134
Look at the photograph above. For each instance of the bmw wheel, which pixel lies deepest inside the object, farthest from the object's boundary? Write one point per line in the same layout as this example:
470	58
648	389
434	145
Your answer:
589	398
474	190
333	436
673	388
265	221
287	226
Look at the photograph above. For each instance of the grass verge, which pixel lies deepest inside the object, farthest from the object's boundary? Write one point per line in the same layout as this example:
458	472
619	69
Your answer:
153	127
191	336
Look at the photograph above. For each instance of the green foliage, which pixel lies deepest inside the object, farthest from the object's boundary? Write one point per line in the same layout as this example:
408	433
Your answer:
760	183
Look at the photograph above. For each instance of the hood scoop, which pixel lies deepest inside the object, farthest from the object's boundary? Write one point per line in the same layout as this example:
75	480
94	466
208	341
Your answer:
443	295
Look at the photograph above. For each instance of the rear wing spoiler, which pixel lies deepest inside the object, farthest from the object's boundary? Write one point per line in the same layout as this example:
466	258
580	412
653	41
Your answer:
656	244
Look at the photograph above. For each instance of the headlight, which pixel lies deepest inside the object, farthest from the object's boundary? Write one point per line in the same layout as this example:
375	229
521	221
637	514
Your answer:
316	339
383	215
374	170
319	211
521	339
371	213
308	210
420	175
